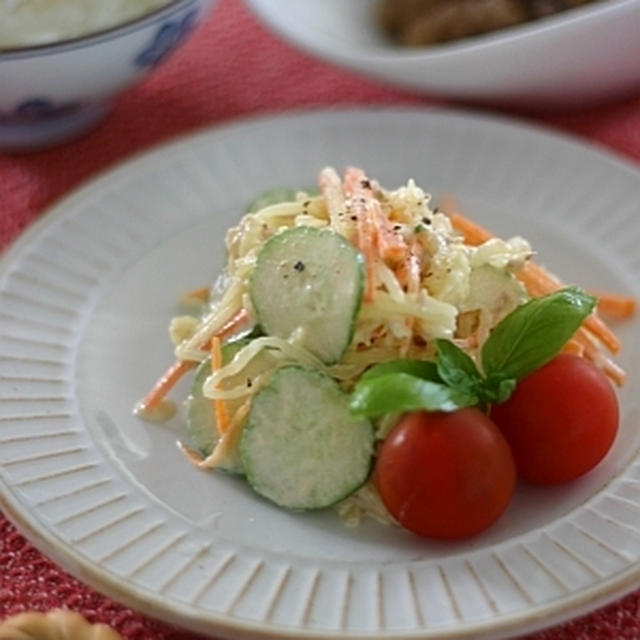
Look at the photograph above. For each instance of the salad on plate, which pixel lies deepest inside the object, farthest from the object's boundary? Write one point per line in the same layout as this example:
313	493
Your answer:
367	351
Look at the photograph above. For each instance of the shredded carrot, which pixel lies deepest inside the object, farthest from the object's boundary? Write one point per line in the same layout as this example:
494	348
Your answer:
353	179
199	295
219	405
472	233
616	306
234	323
537	280
172	375
391	246
592	353
367	247
165	383
533	280
359	203
603	333
574	347
614	372
227	442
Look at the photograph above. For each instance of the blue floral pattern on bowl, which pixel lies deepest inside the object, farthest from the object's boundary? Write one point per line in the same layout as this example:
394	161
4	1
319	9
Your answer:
39	108
166	39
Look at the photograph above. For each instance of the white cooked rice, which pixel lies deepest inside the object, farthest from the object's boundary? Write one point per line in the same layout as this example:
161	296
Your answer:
32	22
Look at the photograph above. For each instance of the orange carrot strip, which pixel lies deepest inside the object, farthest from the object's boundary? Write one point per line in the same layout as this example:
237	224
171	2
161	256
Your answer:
573	347
472	233
353	179
592	353
353	189
615	373
537	275
603	333
533	281
391	246
170	377
219	405
201	294
235	322
608	367
165	383
614	305
365	244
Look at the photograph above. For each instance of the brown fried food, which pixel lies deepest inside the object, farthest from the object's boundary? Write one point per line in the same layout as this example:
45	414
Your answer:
544	8
422	22
455	20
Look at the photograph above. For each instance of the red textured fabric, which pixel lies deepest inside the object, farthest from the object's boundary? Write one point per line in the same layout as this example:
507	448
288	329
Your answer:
231	67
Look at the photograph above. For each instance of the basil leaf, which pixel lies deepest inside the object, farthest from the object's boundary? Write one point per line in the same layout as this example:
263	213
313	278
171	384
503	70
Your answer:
534	333
396	392
455	367
497	390
420	368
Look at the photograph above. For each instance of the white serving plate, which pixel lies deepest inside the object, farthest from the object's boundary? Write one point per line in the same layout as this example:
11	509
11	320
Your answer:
576	57
85	298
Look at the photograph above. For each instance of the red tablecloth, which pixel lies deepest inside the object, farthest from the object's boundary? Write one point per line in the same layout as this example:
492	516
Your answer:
231	67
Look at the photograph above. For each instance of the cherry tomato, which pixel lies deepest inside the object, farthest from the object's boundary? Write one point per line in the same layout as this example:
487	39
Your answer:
445	475
560	421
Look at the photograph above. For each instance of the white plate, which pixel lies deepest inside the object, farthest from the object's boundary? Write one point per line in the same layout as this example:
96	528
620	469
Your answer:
85	297
574	57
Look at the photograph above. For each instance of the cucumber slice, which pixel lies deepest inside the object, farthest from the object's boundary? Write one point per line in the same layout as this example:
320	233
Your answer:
311	279
279	194
301	448
201	419
272	196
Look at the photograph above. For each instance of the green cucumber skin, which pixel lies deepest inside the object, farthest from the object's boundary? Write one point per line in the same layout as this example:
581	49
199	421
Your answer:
277	195
286	435
272	196
288	239
200	413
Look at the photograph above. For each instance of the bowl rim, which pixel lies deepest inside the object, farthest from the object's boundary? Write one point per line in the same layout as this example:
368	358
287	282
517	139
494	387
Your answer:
390	53
95	37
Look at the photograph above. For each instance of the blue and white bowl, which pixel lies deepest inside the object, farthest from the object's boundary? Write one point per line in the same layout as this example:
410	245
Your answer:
51	93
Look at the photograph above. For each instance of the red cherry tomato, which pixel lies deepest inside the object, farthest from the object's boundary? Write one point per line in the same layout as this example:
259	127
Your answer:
445	475
560	421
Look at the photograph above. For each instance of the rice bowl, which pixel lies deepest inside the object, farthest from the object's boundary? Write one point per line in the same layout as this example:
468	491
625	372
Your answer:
59	88
36	22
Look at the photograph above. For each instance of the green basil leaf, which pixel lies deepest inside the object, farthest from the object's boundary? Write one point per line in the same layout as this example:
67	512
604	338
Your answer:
419	368
455	367
534	333
497	390
396	392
